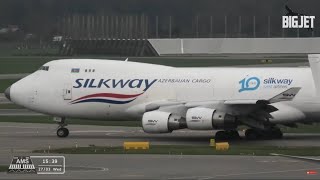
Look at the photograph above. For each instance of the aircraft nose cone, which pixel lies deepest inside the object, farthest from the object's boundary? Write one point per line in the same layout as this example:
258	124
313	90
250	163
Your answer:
7	93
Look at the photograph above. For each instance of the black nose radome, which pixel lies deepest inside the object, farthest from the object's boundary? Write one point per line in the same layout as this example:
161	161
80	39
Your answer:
7	93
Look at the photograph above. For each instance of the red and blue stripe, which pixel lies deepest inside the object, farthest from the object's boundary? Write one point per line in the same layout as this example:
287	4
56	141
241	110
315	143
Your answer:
111	98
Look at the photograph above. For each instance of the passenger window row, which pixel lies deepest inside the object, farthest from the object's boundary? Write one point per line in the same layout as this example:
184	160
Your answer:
89	70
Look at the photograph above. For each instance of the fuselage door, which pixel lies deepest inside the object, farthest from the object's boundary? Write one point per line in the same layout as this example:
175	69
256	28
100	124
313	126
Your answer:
67	92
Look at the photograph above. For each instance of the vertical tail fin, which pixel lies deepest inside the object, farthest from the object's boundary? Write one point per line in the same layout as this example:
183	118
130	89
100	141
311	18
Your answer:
314	61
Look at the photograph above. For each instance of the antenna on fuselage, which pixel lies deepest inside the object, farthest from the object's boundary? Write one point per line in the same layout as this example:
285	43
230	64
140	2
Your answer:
126	60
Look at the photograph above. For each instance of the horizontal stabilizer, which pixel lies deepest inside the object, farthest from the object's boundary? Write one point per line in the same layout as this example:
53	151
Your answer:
286	95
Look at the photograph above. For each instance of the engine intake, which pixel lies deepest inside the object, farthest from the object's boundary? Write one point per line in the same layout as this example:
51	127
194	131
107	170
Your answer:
162	122
207	119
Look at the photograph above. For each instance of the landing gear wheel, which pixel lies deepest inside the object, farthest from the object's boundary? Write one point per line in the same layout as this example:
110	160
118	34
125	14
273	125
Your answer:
276	133
227	135
221	135
62	132
233	134
251	134
272	133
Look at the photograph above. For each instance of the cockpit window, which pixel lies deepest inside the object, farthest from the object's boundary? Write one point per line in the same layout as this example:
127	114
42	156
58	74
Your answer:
75	70
44	68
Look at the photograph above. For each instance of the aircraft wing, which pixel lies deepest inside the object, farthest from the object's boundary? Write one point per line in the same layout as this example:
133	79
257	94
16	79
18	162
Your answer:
286	95
252	112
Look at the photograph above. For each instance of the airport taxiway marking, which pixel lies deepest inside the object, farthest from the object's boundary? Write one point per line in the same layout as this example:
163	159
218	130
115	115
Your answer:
98	131
88	167
289	161
255	173
19	133
32	127
132	175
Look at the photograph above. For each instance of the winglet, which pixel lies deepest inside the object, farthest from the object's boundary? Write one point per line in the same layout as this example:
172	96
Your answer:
126	60
286	95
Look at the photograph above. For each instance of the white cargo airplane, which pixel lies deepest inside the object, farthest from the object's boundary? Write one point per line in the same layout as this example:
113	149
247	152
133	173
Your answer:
168	98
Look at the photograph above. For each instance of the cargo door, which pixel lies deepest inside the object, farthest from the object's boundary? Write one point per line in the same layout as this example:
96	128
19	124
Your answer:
67	92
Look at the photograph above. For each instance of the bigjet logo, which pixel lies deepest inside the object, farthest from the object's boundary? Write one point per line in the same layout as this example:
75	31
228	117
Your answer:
306	22
297	20
253	83
112	98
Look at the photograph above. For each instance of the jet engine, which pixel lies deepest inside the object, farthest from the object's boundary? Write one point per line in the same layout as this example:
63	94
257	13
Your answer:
286	114
201	118
162	122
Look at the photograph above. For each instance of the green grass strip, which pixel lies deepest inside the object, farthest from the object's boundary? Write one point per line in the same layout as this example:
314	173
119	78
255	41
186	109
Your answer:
3	168
192	150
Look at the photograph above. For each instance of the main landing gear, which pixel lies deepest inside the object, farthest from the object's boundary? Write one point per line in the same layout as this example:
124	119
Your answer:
255	134
227	135
62	131
250	134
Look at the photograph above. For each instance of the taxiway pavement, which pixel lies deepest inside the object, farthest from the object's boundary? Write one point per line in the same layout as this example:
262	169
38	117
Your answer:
25	137
22	138
177	167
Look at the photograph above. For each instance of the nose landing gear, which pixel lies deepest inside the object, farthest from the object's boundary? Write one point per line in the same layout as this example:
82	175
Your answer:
61	131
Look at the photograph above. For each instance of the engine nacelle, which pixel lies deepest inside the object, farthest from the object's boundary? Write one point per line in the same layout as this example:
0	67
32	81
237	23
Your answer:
206	119
286	114
162	122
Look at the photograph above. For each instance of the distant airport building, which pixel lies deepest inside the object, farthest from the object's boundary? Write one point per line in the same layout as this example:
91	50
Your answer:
122	27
